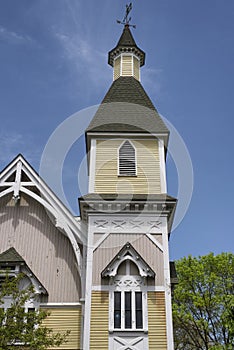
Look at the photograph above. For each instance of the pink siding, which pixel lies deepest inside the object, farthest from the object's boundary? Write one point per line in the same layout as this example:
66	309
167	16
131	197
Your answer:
112	245
27	227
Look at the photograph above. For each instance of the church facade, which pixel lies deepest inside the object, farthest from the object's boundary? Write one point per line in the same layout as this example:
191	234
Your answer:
106	275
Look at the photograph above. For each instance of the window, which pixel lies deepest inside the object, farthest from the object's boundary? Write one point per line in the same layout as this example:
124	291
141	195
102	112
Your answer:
138	306
128	297
117	309
128	277
21	316
127	313
19	322
128	309
127	159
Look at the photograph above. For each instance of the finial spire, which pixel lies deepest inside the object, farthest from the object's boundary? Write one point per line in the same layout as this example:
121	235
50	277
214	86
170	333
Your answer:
126	20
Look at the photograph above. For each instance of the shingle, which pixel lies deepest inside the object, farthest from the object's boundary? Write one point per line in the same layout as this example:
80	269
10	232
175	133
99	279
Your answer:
125	44
161	197
126	38
127	108
11	255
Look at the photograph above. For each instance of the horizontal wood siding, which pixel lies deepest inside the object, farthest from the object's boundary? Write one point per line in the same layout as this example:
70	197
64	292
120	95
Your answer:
157	321
136	68
99	321
61	320
112	245
48	253
117	68
148	168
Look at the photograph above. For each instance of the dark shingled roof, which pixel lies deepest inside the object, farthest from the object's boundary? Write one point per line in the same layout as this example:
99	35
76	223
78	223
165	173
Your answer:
126	38
126	43
127	108
161	197
11	255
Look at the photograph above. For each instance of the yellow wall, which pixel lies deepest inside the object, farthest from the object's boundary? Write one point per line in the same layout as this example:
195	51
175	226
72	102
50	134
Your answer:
148	168
117	63
157	321
63	319
99	321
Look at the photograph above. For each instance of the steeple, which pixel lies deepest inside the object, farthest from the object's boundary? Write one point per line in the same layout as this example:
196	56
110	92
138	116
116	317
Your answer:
128	213
126	58
126	106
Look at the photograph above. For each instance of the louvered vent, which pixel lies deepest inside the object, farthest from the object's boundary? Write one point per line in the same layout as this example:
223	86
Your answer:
127	160
127	66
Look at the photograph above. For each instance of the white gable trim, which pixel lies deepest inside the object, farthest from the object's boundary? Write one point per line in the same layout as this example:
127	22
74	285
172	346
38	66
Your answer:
64	220
128	253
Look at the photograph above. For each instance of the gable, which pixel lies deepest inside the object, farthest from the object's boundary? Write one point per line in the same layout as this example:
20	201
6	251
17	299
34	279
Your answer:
48	252
12	263
20	178
11	256
128	253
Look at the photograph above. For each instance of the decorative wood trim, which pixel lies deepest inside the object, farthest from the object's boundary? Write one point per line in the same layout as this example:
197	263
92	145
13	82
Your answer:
106	288
162	166
88	290
169	322
128	253
92	166
64	220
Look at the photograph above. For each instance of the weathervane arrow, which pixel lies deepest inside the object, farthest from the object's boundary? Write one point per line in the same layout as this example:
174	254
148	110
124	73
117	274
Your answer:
126	20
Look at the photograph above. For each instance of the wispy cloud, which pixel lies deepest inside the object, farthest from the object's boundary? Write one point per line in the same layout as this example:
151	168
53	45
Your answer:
82	55
13	37
13	143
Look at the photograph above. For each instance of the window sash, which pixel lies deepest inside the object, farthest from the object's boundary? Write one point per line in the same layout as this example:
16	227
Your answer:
138	310
128	310
117	309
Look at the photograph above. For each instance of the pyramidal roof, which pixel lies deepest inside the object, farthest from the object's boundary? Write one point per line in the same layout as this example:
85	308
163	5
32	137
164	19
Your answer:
126	38
127	108
126	43
11	255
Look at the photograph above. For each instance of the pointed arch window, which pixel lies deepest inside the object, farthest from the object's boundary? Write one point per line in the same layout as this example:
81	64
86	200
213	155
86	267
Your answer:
127	159
127	295
128	277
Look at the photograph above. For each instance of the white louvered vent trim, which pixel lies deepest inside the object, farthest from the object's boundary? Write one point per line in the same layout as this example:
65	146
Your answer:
127	160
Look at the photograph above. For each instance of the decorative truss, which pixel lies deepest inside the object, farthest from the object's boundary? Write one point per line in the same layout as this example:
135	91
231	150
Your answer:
19	177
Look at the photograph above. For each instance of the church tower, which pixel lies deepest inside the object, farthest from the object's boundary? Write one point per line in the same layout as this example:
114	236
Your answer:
127	215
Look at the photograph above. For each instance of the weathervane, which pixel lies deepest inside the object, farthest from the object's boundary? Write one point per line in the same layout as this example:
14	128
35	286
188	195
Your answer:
127	19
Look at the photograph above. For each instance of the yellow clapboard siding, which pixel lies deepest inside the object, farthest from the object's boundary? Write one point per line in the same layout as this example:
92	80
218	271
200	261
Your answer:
99	321
117	68
148	168
63	319
157	321
136	68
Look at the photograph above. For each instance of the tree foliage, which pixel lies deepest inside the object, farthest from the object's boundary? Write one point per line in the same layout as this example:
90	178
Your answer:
203	303
26	329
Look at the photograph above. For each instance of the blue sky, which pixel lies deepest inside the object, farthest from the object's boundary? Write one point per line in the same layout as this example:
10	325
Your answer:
53	63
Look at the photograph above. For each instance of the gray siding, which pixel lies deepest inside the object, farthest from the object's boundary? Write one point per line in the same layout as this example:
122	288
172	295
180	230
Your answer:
112	245
48	253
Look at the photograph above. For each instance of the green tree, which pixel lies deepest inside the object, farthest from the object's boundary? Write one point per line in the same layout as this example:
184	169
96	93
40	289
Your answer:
203	303
24	328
